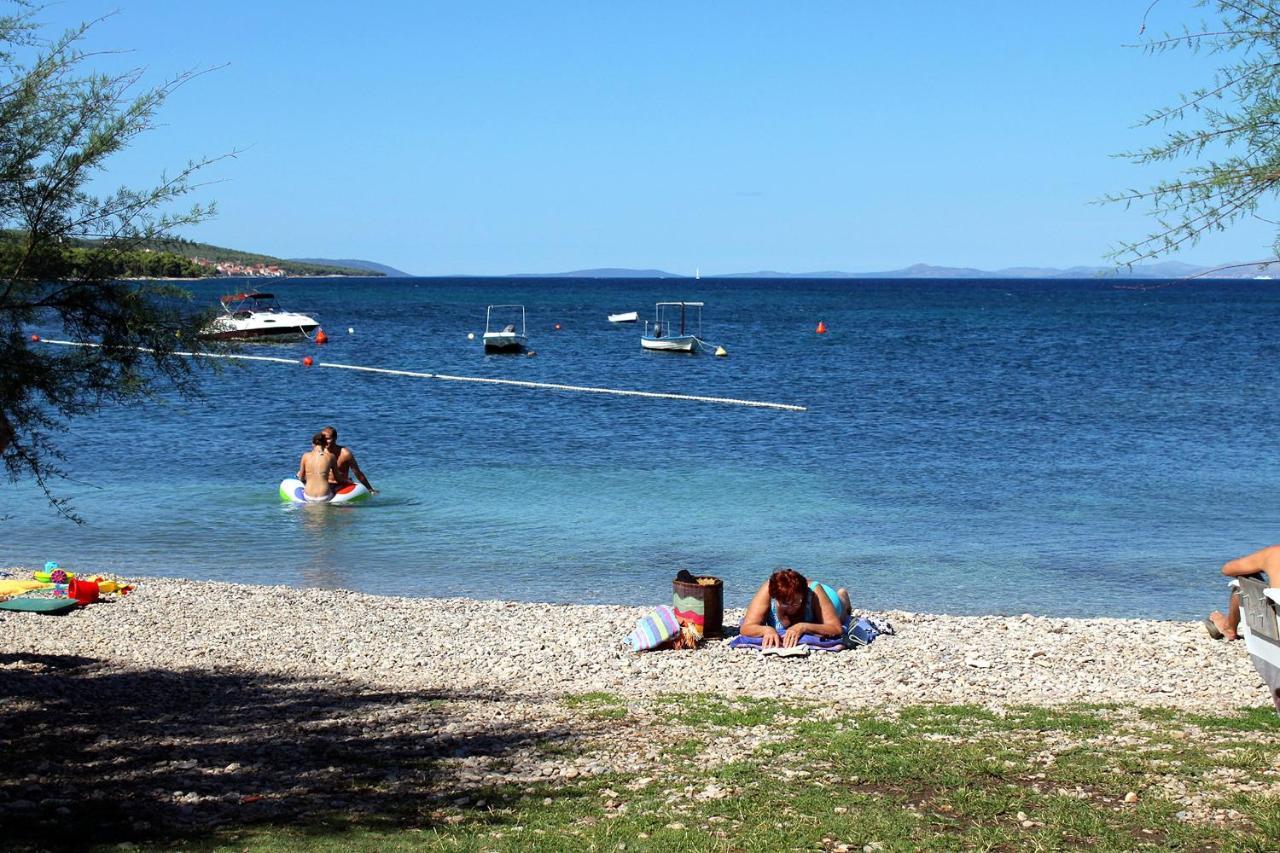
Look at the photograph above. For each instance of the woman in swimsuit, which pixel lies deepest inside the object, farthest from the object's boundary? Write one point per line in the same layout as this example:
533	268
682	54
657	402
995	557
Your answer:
315	468
787	606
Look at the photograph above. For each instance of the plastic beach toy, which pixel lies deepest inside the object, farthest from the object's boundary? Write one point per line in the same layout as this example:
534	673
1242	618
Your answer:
85	592
292	491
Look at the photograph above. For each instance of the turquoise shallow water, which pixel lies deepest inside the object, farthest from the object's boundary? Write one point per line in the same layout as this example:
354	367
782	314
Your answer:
1053	447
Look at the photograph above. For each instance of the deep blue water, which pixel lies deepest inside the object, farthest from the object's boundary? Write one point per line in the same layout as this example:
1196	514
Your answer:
970	447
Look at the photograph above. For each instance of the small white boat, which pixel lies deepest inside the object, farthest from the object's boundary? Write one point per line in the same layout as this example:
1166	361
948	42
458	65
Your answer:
257	316
672	328
625	317
505	338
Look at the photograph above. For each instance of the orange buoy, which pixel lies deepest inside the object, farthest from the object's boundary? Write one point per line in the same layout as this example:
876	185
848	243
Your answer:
822	328
307	361
321	337
35	338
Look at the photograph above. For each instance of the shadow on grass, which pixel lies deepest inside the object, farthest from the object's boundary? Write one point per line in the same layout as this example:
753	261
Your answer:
97	755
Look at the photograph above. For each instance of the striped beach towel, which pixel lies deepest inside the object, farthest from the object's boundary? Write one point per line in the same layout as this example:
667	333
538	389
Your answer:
654	629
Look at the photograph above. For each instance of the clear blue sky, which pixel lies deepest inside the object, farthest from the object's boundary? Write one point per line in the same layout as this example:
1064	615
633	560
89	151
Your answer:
495	137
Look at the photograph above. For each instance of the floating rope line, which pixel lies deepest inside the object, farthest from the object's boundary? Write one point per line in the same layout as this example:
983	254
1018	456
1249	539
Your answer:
482	380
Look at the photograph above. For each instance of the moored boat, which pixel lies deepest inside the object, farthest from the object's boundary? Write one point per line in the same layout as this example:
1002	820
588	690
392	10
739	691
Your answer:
671	329
506	338
625	317
257	316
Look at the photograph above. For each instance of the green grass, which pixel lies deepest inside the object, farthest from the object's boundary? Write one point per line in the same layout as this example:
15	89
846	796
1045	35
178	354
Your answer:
597	705
730	713
933	777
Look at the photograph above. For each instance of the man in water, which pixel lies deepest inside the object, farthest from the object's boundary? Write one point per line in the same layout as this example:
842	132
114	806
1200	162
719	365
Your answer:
346	463
1265	566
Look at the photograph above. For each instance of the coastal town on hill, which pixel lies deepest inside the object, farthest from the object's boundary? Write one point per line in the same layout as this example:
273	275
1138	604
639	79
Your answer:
231	268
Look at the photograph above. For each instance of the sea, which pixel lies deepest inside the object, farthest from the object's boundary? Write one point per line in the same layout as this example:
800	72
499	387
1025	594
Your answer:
1054	447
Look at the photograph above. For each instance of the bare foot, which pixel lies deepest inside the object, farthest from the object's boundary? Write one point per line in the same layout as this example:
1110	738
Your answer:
1220	622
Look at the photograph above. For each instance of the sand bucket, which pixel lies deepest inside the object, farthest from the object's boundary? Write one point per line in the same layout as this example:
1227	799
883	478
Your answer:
700	602
85	592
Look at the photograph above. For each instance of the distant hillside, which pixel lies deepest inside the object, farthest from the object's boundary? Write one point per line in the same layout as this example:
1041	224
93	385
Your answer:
604	272
1165	270
221	255
351	263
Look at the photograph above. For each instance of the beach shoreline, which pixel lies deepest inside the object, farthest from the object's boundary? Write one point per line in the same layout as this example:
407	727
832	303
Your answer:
241	716
559	649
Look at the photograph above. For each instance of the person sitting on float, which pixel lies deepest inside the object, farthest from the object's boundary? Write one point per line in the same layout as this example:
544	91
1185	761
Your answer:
787	606
315	469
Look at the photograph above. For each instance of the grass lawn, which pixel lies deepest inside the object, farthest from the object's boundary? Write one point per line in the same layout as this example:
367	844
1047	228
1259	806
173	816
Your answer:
716	774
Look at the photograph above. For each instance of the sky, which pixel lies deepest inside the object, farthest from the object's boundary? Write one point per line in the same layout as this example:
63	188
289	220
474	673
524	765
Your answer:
488	138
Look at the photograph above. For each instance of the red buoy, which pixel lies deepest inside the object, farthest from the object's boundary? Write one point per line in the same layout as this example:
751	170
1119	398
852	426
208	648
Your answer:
822	328
321	337
307	361
35	338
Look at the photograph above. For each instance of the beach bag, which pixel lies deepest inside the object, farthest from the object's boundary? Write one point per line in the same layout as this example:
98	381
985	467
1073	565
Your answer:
699	603
653	630
864	630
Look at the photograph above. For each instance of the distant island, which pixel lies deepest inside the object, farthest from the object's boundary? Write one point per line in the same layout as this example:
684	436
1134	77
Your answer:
603	272
361	267
1166	270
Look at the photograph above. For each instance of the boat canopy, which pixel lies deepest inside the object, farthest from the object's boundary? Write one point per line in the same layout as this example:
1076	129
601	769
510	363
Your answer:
240	297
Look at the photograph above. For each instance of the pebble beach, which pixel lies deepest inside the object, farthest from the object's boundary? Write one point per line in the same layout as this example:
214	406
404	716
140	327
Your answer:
187	708
524	649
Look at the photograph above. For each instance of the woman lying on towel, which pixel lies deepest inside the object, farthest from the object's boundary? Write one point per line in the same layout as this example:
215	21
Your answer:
787	606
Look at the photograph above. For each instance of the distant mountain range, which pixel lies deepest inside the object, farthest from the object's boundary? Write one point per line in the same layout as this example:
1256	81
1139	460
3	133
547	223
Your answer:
603	272
380	269
1165	270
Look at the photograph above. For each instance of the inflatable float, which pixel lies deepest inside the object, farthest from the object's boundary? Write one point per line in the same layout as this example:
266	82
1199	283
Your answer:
292	490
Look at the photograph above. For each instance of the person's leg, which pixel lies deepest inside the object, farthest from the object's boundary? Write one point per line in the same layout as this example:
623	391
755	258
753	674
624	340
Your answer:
1230	623
1233	616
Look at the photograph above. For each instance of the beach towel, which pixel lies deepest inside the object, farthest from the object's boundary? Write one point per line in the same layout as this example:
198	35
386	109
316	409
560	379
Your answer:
813	641
17	587
40	605
654	629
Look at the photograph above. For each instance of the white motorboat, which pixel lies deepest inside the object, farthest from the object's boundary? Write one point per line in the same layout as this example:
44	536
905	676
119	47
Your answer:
671	331
506	338
257	316
625	317
1260	627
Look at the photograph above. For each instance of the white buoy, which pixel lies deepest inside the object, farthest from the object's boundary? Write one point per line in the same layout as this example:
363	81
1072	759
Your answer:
721	351
350	331
471	336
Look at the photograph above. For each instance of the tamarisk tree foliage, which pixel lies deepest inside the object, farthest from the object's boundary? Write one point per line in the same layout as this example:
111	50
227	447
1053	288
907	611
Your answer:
60	124
1230	129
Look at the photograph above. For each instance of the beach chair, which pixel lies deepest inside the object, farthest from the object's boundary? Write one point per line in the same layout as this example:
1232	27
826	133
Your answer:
1259	608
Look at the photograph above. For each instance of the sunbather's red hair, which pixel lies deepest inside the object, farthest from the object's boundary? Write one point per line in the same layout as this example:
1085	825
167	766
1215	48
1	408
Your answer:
787	585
